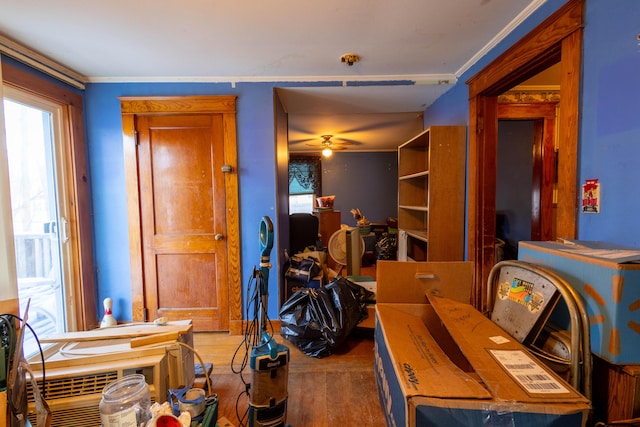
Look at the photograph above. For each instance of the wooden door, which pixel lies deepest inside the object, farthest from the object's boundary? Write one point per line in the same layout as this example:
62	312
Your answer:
182	198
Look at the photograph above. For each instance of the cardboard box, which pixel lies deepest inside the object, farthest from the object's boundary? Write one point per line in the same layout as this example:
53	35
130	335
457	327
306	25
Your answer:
409	281
440	362
608	279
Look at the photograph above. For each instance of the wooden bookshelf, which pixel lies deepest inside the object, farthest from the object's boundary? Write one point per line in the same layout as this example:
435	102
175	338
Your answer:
431	195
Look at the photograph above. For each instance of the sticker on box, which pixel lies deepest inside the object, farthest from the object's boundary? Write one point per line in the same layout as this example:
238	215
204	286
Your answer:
529	374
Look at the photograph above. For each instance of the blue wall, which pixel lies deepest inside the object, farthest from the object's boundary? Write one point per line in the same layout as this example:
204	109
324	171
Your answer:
453	107
609	143
256	169
610	120
367	181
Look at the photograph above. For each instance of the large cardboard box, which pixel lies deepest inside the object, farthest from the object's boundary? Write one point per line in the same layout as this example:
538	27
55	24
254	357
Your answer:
608	279
440	362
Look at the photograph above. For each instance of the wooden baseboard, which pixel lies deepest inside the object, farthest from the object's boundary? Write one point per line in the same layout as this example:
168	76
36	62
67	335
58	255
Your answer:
236	327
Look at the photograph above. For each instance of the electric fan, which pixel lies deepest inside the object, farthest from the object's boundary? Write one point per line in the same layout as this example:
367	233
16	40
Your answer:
346	247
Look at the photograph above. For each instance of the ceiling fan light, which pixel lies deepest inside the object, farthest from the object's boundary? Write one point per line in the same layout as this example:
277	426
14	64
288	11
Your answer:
327	152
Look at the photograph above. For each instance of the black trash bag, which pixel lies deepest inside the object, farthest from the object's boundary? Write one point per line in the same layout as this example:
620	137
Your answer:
349	310
387	247
362	294
319	320
304	320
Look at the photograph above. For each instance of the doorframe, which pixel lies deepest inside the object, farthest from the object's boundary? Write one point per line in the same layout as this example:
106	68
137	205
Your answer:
85	311
557	39
225	105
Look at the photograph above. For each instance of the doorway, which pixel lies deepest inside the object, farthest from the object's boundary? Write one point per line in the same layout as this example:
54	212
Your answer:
514	186
556	40
525	174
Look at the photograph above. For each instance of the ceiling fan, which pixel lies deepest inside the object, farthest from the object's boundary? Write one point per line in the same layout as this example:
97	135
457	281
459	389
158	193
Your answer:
358	132
328	146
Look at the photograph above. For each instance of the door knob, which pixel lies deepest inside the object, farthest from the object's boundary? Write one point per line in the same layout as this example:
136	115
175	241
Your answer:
218	236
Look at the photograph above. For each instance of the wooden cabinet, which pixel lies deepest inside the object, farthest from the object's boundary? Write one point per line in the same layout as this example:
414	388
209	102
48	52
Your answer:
431	195
329	223
616	391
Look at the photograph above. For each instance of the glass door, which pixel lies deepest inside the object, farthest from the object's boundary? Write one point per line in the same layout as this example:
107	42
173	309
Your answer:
34	132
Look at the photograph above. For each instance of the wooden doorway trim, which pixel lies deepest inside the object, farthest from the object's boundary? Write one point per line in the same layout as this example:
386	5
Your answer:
224	105
557	39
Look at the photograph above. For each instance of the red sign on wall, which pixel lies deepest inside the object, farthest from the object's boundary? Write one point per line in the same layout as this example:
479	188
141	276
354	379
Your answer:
591	196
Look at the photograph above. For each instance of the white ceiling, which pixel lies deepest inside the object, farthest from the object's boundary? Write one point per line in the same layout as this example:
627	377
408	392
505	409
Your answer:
426	43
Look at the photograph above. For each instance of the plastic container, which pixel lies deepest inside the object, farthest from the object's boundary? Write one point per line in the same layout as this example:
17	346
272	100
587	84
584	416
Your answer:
126	402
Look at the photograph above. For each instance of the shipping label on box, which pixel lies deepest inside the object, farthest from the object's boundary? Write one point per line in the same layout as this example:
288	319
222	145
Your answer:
608	279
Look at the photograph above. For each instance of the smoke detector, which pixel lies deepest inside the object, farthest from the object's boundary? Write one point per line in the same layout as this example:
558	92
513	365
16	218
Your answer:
349	58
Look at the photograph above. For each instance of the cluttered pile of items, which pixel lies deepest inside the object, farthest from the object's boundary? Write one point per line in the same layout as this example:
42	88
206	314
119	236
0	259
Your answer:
319	320
13	374
322	307
325	299
141	374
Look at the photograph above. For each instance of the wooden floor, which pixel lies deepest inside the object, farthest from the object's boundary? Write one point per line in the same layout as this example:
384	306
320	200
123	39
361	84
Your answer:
338	390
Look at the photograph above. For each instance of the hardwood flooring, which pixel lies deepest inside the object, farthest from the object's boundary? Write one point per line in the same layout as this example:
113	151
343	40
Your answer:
338	390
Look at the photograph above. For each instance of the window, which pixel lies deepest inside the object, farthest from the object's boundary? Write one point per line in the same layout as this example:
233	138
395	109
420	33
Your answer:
305	183
49	196
38	200
300	203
